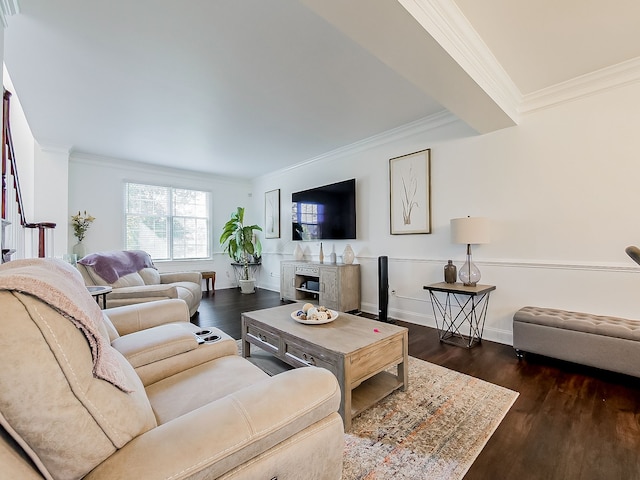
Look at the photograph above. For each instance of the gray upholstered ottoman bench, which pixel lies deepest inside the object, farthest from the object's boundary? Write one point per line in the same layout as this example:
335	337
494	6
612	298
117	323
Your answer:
603	342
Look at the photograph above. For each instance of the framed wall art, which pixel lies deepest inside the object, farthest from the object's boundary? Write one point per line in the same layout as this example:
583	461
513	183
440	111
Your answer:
410	193
272	214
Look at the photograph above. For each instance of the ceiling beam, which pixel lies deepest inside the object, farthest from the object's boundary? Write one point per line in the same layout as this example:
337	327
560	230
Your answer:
391	33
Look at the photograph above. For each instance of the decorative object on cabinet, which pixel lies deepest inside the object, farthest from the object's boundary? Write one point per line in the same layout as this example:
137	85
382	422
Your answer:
410	191
334	286
272	214
348	256
469	230
240	242
321	254
298	254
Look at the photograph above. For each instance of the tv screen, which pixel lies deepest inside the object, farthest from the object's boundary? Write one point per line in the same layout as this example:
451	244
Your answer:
325	213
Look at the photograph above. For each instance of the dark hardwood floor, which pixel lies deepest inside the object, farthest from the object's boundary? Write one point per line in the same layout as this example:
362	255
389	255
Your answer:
569	422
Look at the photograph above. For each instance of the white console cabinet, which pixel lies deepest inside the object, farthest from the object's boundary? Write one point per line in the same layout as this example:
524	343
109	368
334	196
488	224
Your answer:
335	286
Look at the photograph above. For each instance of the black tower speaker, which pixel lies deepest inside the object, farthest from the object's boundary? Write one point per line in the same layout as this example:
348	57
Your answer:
383	288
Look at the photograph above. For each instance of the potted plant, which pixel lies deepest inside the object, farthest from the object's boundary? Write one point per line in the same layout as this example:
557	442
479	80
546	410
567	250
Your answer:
240	242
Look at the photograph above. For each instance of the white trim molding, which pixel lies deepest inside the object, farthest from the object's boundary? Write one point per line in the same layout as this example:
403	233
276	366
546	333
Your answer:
417	127
515	263
589	84
8	8
455	34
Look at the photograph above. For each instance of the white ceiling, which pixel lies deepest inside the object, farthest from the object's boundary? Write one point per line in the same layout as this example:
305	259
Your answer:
541	43
245	87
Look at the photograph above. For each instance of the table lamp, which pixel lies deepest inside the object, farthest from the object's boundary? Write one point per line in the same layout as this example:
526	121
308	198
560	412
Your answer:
469	230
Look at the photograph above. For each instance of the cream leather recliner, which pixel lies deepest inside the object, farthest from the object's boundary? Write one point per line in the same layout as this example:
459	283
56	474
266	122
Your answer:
131	393
134	279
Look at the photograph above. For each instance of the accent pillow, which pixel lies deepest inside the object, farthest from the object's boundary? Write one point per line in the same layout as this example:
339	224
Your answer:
150	276
131	280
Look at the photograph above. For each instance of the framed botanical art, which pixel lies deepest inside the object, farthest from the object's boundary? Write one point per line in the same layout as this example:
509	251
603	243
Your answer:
410	193
272	214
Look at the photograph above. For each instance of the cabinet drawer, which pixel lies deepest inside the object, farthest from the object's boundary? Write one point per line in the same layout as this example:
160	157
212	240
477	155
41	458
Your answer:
372	360
263	339
301	356
313	270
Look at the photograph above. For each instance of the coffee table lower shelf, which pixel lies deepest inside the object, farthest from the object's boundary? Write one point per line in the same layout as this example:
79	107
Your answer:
372	390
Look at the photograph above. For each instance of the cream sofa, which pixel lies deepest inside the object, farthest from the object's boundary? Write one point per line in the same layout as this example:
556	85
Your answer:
134	279
167	406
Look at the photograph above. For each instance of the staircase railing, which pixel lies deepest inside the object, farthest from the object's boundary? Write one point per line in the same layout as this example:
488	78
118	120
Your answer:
13	211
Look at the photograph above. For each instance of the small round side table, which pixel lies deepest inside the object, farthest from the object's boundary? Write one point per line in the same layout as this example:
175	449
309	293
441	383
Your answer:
98	291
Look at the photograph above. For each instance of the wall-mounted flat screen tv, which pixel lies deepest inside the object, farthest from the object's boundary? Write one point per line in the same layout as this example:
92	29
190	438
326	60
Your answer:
325	213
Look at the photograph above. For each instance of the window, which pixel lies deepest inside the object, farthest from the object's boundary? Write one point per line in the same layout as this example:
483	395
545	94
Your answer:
168	223
309	217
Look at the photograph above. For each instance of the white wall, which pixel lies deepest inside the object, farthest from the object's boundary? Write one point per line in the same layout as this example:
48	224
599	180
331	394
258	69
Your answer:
560	190
50	187
96	185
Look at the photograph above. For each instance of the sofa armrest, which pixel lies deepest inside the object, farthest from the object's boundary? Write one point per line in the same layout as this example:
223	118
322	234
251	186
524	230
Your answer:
155	344
156	371
215	438
144	291
132	318
195	277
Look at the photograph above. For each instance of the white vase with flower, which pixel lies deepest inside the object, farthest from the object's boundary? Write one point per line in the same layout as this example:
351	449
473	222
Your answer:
81	223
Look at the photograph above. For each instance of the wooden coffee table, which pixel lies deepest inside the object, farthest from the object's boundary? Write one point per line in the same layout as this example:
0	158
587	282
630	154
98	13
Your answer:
355	349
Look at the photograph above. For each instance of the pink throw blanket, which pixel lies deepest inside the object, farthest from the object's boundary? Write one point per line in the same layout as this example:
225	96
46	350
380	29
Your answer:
113	265
60	285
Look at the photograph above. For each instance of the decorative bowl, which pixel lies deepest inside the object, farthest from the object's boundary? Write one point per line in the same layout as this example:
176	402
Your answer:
334	315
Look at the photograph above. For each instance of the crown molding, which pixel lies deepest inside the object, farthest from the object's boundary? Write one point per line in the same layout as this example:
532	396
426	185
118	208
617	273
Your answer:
417	127
56	149
8	8
446	23
103	161
451	29
615	76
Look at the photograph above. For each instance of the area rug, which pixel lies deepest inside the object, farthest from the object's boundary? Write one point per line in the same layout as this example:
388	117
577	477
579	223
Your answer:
434	430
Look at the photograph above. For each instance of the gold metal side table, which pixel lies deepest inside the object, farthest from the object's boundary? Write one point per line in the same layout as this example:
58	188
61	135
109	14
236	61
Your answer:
460	309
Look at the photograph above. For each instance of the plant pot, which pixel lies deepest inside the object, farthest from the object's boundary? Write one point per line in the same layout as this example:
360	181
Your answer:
247	286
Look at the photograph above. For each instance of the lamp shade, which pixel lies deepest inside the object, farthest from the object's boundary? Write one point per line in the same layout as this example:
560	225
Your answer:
470	230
